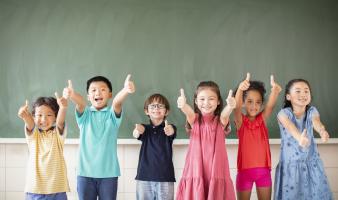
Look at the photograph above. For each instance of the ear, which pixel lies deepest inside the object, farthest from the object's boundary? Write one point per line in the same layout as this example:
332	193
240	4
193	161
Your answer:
196	101
218	102
146	112
166	113
110	95
288	97
88	98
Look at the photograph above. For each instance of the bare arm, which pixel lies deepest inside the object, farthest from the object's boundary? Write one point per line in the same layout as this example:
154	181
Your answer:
243	86
225	114
121	96
320	128
76	98
60	118
292	129
185	108
275	90
27	117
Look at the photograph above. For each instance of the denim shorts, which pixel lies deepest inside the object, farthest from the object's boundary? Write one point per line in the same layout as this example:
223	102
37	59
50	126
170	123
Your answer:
146	190
91	188
54	196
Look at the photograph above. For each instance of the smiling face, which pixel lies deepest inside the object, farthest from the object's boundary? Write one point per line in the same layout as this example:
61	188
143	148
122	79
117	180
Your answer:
99	94
207	101
44	117
156	111
253	103
299	94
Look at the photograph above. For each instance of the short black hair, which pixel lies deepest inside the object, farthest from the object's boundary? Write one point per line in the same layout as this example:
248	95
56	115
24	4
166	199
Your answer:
99	79
46	101
254	85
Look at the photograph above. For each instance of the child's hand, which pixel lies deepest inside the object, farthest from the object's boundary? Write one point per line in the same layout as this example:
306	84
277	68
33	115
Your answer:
129	85
244	85
231	101
62	101
181	100
324	135
275	86
68	91
139	128
168	129
303	140
23	111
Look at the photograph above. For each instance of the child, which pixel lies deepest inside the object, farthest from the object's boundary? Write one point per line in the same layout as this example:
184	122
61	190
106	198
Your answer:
254	159
45	134
206	172
155	172
98	167
300	172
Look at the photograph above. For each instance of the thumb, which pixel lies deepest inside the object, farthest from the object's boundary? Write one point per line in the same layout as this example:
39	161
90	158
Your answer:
166	123
127	79
70	84
57	95
182	92
26	103
303	133
272	80
247	76
230	94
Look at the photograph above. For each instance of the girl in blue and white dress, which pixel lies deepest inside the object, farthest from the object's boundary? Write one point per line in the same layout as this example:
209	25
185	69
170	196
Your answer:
300	173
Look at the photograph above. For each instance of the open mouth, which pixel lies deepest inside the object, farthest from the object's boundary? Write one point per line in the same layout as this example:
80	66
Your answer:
98	100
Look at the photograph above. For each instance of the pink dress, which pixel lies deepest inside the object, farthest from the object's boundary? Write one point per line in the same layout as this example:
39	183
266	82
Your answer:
206	174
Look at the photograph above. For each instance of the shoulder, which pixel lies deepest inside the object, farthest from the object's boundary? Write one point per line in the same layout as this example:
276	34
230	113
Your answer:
285	112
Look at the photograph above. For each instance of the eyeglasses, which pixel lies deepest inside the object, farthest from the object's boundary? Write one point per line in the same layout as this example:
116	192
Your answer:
154	106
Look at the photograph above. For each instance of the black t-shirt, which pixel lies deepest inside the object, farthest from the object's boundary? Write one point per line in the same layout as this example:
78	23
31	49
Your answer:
155	159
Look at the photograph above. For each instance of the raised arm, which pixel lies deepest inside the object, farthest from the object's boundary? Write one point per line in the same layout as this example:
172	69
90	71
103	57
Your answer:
76	98
60	118
243	86
119	98
320	128
185	108
27	117
300	137
231	104
275	90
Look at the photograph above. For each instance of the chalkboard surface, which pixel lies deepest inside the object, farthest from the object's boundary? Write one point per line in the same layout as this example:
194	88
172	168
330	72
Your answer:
165	45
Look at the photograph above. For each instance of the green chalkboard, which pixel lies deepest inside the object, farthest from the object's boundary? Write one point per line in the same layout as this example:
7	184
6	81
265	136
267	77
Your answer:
165	45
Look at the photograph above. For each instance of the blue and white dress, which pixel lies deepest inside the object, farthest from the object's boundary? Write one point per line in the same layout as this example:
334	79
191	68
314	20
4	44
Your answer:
300	173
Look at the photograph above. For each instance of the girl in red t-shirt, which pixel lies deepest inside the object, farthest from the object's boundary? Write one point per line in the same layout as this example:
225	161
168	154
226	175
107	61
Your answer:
254	159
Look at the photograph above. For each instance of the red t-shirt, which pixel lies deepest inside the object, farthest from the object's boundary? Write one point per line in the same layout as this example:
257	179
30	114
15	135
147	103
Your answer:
253	148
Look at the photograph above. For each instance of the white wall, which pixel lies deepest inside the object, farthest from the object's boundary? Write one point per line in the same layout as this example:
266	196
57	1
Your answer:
13	158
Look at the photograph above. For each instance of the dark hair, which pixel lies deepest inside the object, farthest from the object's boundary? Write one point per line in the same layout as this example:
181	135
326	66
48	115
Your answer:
159	98
256	86
46	101
288	86
99	79
214	87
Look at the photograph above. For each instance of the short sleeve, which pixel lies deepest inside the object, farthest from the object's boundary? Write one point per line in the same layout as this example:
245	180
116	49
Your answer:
173	136
313	112
116	119
63	135
80	118
285	112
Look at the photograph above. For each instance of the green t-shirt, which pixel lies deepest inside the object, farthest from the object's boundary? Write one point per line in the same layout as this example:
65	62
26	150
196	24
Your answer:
98	142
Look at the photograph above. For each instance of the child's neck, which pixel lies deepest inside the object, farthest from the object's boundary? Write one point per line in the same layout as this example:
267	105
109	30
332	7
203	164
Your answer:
298	111
156	122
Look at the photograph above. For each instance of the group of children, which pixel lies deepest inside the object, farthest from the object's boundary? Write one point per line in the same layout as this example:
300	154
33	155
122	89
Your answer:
206	175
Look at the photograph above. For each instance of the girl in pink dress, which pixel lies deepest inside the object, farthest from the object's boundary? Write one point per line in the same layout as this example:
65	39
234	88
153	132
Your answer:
206	174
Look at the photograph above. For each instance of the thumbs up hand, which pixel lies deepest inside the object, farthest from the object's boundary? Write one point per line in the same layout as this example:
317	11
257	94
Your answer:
168	129
24	111
129	85
181	100
244	85
68	91
231	101
62	101
139	130
303	140
324	135
275	87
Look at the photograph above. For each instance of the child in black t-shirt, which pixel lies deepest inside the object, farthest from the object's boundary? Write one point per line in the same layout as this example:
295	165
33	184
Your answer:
155	172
